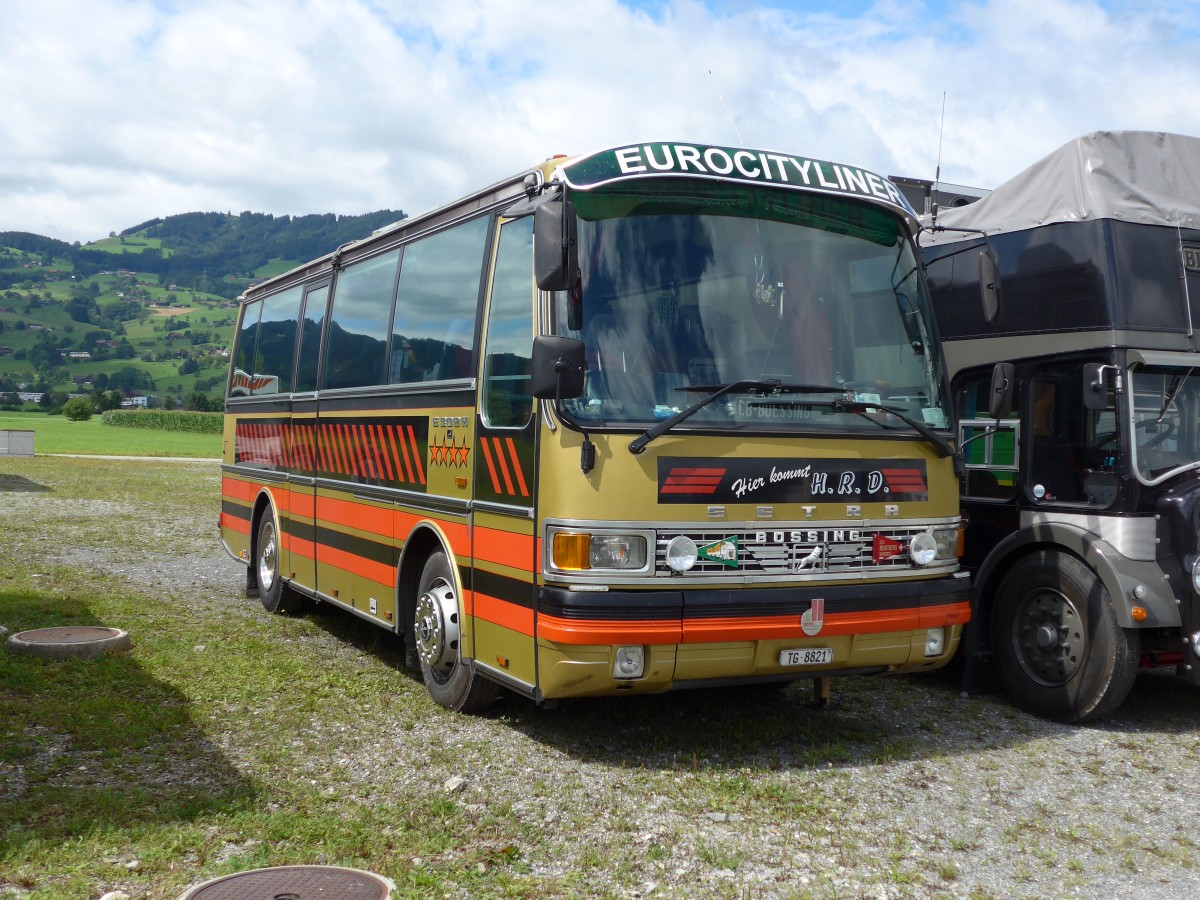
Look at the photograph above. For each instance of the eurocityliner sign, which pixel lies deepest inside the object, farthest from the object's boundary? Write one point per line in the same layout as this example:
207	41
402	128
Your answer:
788	480
760	167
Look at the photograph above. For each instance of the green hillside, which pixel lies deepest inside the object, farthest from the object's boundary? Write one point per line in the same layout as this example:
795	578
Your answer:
151	310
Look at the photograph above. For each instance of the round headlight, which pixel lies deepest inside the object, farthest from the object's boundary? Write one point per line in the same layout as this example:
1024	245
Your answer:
922	549
1196	575
681	553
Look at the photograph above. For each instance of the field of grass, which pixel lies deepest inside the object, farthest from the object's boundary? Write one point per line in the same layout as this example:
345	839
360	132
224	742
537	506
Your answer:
57	434
229	739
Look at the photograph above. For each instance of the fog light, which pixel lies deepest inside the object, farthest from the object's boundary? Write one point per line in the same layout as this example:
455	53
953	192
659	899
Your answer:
935	641
922	549
629	662
681	553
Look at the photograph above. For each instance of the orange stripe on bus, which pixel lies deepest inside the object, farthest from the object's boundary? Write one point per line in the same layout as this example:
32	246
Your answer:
487	456
505	614
504	467
381	443
575	631
299	547
236	489
360	516
504	547
357	565
399	435
233	523
765	628
412	436
512	452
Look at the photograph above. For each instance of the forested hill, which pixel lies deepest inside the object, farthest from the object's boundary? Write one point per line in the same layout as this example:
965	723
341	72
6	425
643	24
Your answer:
216	252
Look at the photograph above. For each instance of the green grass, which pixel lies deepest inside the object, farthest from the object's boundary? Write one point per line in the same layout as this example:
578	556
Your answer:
56	434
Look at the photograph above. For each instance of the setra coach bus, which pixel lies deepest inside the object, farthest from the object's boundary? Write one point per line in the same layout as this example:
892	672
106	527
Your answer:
663	416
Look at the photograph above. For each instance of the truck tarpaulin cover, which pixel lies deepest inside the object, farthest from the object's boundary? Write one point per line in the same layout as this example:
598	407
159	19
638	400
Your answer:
1145	177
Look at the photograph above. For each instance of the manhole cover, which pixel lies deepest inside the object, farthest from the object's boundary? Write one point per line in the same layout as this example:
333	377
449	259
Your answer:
294	883
82	641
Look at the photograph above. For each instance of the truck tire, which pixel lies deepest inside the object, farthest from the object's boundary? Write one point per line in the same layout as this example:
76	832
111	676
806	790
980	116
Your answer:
1060	651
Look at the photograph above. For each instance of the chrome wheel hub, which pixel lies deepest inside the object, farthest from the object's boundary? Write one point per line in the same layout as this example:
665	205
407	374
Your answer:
436	628
267	559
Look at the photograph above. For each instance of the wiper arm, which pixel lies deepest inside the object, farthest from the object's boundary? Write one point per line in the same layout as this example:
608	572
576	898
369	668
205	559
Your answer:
1172	393
944	448
857	407
638	444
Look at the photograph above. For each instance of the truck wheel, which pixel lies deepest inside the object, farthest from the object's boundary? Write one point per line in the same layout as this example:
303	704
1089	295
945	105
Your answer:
1060	651
450	679
274	595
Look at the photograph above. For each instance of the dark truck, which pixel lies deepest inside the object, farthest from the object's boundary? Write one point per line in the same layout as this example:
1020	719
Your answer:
1083	492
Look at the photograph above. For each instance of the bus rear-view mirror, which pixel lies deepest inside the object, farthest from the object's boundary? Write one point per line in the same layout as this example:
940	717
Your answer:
559	365
554	254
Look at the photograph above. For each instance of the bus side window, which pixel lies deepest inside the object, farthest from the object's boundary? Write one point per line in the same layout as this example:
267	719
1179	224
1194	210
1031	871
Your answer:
358	326
507	401
437	304
310	338
244	349
277	342
991	459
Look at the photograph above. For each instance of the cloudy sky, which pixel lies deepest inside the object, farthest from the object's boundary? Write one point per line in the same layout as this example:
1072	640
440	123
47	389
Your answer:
116	111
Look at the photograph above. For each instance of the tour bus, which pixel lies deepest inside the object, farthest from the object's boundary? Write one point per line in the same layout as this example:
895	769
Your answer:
1083	497
663	416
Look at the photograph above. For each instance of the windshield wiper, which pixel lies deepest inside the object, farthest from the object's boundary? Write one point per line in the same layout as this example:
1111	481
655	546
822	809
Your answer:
1172	393
763	385
857	407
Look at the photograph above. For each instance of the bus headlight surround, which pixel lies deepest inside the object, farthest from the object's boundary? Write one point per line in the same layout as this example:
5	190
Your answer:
682	553
588	551
935	641
629	662
923	548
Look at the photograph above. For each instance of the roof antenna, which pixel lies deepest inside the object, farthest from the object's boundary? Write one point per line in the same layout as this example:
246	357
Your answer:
741	140
937	174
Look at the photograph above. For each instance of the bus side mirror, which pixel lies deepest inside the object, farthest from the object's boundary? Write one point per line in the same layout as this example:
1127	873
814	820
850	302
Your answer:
989	285
558	367
1004	376
555	258
1095	386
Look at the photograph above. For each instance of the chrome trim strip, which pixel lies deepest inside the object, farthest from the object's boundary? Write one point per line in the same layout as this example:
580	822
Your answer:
501	509
1132	537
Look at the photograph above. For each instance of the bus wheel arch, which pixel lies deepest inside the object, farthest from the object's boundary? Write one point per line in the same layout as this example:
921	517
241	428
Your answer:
437	618
1059	649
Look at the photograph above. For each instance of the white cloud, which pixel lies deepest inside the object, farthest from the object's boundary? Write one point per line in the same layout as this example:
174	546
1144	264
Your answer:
115	111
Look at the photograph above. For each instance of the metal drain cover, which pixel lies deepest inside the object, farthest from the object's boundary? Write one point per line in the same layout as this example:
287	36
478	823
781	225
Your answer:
80	641
294	883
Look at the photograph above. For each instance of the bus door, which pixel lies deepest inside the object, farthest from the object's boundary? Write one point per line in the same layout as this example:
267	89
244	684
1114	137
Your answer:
300	535
504	540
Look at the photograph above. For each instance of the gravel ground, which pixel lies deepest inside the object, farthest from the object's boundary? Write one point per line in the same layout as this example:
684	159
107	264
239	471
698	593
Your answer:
906	788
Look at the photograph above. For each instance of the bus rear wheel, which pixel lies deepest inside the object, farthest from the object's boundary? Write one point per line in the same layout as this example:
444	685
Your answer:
450	679
275	596
1060	651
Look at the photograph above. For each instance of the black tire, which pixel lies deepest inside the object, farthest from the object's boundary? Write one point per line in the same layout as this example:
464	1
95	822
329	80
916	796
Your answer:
275	596
1060	651
450	679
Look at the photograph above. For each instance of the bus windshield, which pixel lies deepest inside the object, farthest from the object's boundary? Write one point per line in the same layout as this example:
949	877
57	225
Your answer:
685	287
1165	410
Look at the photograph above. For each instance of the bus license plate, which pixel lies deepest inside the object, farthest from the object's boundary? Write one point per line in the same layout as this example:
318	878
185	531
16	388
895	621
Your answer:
812	656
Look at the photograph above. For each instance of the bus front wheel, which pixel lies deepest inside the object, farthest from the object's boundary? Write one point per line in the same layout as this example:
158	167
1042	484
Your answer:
1060	651
450	679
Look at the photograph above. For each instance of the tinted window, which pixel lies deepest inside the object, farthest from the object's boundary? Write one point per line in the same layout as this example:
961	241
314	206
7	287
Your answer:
310	338
507	401
358	327
243	351
434	332
277	342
